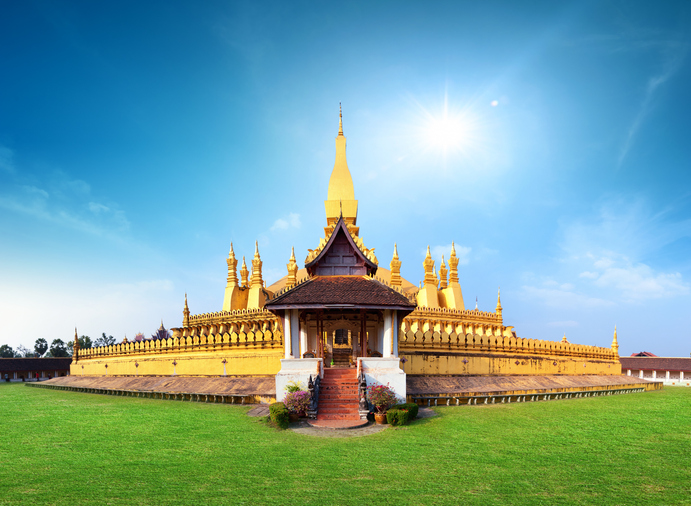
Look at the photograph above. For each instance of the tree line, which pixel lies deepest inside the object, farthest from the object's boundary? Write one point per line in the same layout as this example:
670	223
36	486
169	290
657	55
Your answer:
58	348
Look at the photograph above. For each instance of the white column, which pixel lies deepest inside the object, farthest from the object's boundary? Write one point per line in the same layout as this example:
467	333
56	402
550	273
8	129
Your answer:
388	333
287	344
304	347
667	375
655	374
295	331
628	373
395	326
681	375
640	373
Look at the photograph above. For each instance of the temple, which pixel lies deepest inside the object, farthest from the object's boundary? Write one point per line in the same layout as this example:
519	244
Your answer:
345	317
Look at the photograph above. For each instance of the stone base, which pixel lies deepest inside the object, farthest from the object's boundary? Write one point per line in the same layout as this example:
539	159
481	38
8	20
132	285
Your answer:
384	371
297	370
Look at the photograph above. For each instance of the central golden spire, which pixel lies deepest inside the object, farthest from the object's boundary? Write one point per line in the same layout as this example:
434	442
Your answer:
340	199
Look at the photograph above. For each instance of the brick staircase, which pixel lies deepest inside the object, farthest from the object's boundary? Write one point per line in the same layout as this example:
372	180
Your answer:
338	395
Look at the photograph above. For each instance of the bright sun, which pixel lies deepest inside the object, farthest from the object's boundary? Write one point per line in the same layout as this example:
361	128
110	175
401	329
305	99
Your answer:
447	132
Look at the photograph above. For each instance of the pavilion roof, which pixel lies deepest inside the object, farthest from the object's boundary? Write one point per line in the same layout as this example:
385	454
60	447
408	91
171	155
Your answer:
341	292
656	363
35	364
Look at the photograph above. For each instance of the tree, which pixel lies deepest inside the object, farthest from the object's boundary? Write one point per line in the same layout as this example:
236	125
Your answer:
6	351
41	346
104	340
84	342
58	348
24	352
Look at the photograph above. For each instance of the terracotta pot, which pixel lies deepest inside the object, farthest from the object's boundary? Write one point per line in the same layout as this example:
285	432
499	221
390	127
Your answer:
380	418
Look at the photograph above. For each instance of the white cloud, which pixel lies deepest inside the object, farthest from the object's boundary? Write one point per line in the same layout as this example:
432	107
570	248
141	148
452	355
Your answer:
671	66
97	208
588	275
639	282
563	324
6	160
462	253
286	222
61	200
563	298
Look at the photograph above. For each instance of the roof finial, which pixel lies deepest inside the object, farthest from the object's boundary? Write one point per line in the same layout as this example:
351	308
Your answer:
475	303
340	120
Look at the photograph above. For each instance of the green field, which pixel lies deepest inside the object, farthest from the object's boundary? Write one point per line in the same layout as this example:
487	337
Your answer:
60	447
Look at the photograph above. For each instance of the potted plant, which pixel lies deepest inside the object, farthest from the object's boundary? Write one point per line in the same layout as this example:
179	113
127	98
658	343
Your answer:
382	398
297	403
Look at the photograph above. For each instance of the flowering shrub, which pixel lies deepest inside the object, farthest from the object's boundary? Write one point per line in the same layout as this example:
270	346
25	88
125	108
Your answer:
297	402
381	397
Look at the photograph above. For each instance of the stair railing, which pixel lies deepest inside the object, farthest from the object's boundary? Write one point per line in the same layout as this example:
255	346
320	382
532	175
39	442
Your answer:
313	388
363	407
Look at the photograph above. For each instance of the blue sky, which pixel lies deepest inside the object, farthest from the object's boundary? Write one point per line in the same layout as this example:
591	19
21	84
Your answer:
549	140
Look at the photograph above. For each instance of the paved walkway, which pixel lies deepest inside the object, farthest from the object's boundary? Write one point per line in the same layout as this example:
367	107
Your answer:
302	427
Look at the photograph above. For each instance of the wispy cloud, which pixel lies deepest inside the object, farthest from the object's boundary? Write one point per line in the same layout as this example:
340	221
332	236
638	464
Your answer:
673	55
636	282
59	199
462	252
563	296
7	160
292	220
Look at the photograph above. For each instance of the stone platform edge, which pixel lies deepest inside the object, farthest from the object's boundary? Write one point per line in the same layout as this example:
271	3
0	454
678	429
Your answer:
456	390
252	390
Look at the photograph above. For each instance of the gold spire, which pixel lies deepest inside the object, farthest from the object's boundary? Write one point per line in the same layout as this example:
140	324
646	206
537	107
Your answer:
615	343
244	273
442	274
428	265
186	314
256	268
340	199
340	120
395	268
232	267
563	339
498	310
453	265
292	270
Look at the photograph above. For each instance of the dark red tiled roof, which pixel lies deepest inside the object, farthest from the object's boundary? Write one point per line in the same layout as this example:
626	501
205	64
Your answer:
643	354
34	364
343	291
656	363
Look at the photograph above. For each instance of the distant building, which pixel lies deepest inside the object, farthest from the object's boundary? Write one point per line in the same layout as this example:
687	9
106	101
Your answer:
643	354
26	369
672	371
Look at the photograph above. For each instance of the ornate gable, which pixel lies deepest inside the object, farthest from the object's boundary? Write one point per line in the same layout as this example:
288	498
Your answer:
340	256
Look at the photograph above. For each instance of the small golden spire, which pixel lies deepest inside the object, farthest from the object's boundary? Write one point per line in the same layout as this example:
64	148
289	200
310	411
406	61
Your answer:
232	262
442	274
186	314
563	339
615	343
292	270
340	120
257	267
395	266
499	301
244	273
428	265
453	265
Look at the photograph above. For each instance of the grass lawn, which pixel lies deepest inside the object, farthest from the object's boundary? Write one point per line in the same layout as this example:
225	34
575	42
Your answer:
71	448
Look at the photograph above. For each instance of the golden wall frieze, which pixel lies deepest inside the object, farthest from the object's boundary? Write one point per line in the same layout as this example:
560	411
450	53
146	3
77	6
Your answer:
431	340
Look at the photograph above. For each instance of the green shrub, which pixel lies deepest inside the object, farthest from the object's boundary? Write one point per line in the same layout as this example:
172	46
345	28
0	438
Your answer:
411	407
397	416
279	414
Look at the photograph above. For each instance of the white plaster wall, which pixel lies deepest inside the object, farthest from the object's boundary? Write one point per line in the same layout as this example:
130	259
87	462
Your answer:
296	370
382	371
